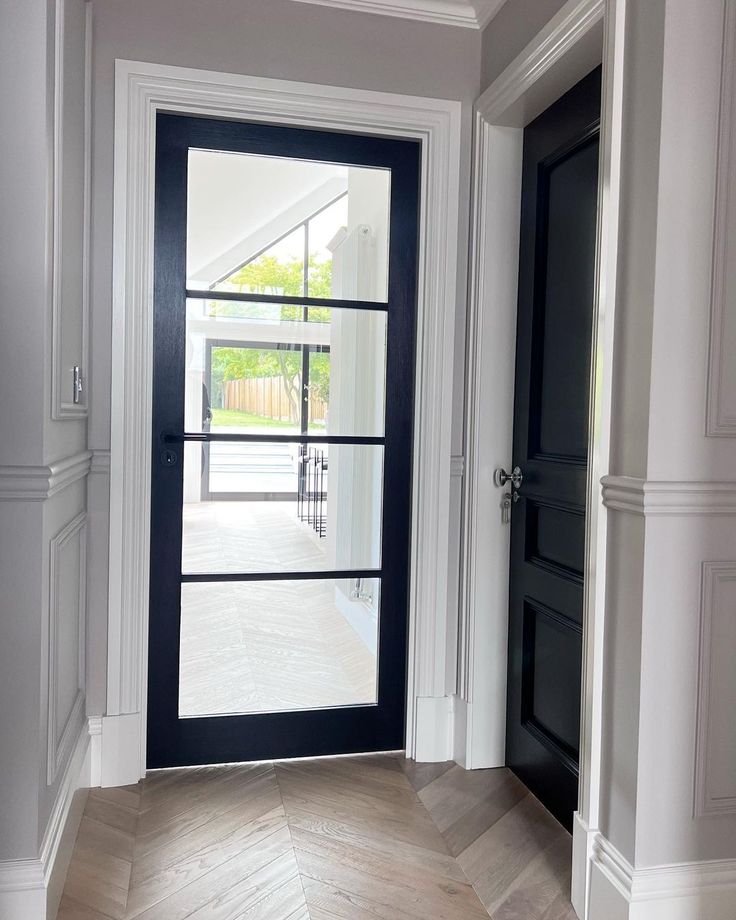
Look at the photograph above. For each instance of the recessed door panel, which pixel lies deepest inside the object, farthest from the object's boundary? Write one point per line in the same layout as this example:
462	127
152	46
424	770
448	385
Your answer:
567	191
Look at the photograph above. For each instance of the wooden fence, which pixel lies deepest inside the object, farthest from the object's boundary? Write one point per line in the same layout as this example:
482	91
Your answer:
267	397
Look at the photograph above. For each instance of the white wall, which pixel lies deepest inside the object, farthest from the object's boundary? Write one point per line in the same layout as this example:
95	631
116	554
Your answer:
275	39
43	459
669	747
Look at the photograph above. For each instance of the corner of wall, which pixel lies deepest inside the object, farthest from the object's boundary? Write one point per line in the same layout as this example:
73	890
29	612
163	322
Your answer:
30	889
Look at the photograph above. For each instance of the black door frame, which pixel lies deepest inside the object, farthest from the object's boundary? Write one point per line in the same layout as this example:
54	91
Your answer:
173	741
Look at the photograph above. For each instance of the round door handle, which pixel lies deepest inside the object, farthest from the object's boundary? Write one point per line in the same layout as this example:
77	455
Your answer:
515	477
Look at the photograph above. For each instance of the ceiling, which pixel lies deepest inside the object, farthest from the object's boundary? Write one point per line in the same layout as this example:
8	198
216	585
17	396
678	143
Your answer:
234	199
470	14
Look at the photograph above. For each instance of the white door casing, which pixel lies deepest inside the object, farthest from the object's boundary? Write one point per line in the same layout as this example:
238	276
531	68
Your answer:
580	36
141	90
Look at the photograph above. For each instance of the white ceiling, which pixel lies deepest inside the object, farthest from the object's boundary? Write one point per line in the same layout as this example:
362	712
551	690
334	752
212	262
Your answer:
232	196
472	14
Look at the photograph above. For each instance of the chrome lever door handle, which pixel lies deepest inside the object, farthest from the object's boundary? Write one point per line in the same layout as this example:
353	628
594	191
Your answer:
515	477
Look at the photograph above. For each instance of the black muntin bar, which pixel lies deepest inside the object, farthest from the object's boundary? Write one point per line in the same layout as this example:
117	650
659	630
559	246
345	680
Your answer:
296	438
278	299
204	577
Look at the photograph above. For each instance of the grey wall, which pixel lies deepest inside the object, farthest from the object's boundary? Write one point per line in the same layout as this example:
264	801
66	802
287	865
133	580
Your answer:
516	23
279	39
658	616
40	622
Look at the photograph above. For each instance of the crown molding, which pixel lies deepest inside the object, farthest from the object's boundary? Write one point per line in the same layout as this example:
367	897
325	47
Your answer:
463	13
557	39
647	497
37	483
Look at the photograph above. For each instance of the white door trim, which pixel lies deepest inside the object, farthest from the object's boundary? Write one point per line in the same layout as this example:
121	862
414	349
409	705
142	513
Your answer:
583	33
141	90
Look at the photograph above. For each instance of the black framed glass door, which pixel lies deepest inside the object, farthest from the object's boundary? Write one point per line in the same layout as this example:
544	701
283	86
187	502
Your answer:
284	341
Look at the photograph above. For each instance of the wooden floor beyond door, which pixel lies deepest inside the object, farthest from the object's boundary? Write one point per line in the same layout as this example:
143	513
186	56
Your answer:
351	838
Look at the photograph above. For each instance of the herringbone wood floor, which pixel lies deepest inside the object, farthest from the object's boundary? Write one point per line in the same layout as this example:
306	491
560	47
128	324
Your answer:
355	838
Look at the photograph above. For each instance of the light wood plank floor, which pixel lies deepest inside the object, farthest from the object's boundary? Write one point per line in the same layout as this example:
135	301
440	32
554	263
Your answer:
350	838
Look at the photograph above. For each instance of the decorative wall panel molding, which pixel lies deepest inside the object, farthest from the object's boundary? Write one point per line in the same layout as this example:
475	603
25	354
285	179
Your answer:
715	766
100	462
639	496
37	483
71	208
472	14
66	666
721	399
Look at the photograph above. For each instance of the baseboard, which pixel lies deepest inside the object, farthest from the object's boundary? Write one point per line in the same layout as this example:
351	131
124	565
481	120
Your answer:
30	888
95	751
433	734
460	733
361	618
583	839
682	891
474	746
120	753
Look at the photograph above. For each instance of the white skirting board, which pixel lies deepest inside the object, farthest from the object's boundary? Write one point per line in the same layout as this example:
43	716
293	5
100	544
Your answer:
120	750
686	891
434	729
583	839
30	889
362	618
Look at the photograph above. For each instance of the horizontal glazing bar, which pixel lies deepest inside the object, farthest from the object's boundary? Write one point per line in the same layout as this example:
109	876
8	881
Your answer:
287	299
210	436
203	577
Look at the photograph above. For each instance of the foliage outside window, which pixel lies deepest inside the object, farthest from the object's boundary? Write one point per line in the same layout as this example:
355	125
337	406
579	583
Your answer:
275	275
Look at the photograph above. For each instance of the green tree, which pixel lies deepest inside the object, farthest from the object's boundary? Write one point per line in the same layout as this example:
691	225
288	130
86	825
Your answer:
269	275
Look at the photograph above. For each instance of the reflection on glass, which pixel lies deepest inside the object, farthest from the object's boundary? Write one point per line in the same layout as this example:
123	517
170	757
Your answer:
278	226
270	646
264	507
310	370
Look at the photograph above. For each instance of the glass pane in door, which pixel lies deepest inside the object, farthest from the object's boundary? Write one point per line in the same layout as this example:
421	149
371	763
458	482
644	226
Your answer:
284	508
281	226
292	369
270	646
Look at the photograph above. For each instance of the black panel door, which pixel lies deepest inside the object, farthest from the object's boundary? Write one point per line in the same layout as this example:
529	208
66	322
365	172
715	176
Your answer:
285	306
554	329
